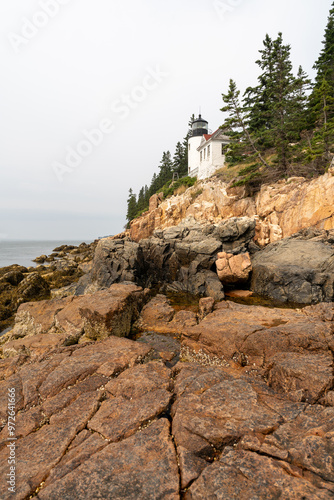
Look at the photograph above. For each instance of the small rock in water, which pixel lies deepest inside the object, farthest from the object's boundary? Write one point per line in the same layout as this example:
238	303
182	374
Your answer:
239	293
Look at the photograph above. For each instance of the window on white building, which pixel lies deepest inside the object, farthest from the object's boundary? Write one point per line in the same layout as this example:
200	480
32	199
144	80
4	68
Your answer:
208	151
201	156
224	148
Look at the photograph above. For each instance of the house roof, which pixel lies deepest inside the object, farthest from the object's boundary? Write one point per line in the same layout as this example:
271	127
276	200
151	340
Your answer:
207	136
218	135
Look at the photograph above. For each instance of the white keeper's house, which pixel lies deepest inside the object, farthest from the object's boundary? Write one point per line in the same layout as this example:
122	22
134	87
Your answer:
206	152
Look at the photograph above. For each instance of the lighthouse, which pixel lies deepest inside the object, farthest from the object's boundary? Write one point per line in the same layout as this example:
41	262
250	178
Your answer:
199	128
206	152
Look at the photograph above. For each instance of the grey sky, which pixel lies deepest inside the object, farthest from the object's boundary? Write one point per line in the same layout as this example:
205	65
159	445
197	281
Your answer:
75	72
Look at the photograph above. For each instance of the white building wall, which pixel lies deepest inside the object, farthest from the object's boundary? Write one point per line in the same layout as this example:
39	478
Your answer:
193	154
210	163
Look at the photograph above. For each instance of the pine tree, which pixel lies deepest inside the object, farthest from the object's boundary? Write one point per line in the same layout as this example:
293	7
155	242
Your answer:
323	137
153	185
236	123
325	63
165	167
141	200
190	122
273	105
257	100
184	167
283	103
180	160
146	195
132	206
325	69
300	110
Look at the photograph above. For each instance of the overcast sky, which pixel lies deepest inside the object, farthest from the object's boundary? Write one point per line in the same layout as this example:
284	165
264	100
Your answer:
92	93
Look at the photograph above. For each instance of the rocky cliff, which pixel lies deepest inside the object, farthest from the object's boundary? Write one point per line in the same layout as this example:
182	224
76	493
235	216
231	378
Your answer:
281	209
218	402
112	390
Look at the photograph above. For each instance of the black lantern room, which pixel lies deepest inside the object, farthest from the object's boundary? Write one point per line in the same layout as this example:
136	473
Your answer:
199	127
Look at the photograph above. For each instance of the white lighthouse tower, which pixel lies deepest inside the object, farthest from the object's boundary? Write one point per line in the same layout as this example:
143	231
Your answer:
206	152
199	128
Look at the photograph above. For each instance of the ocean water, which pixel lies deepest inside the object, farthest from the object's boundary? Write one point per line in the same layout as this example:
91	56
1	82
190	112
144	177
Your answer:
23	252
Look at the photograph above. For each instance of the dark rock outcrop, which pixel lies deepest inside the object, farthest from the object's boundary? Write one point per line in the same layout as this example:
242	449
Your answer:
182	258
295	270
33	286
116	261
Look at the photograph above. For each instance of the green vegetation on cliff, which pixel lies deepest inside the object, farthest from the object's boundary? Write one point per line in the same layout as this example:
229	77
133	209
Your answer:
285	117
282	127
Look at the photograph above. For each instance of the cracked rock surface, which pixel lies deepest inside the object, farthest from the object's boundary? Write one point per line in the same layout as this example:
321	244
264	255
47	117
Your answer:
107	420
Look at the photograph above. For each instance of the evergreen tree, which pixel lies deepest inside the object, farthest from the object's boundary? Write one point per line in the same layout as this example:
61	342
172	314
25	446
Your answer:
275	102
153	186
241	138
257	100
283	103
165	167
132	206
325	63
184	165
146	195
180	160
141	200
300	111
190	122
325	69
323	137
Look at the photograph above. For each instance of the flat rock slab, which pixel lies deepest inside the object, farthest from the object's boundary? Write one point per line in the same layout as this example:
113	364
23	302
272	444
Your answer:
38	317
309	439
102	420
63	399
245	475
165	347
119	418
305	376
34	344
104	358
143	467
80	450
99	315
288	344
37	453
58	394
214	410
160	317
139	380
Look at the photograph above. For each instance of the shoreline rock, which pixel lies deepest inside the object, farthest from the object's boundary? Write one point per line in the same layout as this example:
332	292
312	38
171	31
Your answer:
281	209
101	419
296	270
181	258
19	284
218	399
